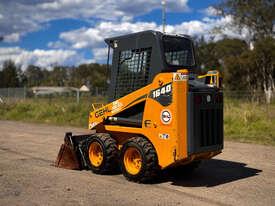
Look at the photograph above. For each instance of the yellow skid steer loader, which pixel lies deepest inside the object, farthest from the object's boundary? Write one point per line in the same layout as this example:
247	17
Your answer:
161	114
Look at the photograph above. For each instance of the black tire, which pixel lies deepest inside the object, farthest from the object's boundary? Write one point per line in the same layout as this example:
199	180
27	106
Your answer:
110	154
149	164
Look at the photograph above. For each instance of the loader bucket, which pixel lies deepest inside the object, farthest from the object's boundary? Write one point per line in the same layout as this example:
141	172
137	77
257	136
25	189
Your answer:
71	155
67	158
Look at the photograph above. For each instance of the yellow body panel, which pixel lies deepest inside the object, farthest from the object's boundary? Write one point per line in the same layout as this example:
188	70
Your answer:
168	138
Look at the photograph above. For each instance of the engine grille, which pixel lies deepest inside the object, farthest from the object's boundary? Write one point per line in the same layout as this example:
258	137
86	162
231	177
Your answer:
205	121
210	124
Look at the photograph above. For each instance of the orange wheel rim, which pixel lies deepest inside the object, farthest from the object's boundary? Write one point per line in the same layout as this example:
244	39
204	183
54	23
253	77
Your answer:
132	160
95	154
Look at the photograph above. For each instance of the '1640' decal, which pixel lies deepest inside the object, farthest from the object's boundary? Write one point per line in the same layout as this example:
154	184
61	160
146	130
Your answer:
166	89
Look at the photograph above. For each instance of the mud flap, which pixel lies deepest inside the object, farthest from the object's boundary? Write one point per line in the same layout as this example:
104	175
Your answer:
71	153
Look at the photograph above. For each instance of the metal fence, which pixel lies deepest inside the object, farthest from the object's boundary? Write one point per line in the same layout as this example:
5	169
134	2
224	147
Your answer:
248	96
14	94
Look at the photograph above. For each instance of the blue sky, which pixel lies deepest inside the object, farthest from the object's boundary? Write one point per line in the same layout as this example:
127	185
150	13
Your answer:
71	32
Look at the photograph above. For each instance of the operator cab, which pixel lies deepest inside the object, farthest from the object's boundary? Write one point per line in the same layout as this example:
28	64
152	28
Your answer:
178	53
139	57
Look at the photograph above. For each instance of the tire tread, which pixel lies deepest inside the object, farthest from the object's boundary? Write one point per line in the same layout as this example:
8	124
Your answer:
151	168
111	153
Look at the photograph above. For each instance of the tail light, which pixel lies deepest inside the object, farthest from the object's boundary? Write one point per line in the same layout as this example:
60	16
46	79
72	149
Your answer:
198	99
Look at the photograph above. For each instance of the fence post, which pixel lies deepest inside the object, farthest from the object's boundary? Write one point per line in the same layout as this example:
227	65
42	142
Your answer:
77	96
24	93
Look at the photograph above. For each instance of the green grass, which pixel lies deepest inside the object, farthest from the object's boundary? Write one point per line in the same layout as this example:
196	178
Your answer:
243	121
249	122
58	111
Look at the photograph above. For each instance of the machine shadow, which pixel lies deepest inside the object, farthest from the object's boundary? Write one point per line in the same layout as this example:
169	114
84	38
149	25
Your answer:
210	173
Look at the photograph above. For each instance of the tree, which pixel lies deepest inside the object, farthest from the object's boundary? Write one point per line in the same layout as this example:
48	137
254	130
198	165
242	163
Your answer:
92	75
34	75
22	78
57	77
8	76
228	52
258	16
207	59
264	58
224	56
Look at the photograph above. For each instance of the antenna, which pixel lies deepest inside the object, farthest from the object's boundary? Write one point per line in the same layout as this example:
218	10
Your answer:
163	3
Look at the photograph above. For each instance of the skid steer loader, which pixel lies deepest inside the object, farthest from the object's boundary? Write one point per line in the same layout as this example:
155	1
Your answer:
160	115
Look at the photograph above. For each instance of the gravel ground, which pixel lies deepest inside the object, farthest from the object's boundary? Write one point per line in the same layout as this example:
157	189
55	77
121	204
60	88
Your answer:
244	174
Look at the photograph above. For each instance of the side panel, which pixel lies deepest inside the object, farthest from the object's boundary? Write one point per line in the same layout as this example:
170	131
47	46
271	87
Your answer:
165	118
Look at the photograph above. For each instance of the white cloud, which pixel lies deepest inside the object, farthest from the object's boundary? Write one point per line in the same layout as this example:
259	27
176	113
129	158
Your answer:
100	54
28	15
93	38
57	45
66	49
225	27
210	11
42	58
14	37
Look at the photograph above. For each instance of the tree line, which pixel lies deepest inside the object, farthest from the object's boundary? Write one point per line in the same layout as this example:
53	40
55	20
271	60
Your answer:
247	64
242	68
92	75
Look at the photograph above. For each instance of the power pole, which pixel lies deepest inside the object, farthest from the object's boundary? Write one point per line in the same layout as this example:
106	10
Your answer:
163	3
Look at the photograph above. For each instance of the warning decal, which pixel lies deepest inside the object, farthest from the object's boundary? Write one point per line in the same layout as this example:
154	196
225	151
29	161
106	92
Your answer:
179	77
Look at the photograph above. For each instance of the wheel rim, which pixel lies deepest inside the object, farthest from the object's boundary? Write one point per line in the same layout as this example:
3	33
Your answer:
95	154
132	160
